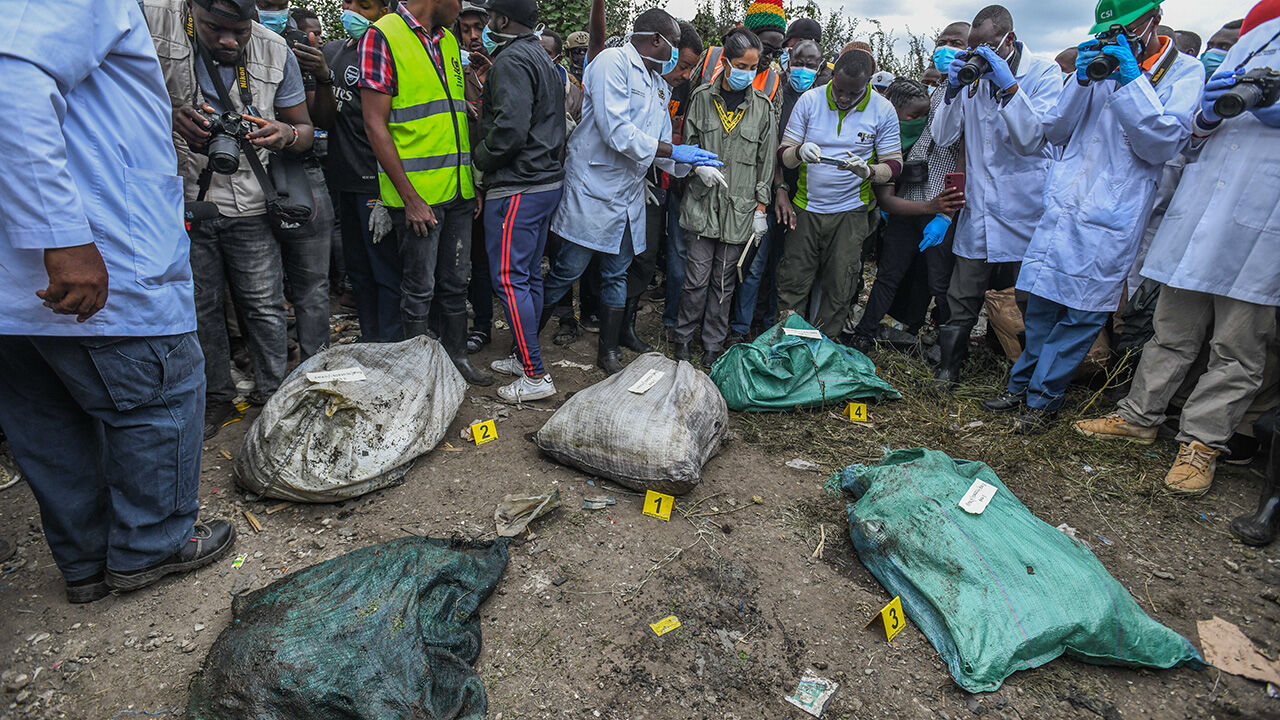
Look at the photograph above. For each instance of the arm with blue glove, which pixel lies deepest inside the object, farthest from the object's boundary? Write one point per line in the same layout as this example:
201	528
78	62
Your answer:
694	155
935	231
1000	74
1129	69
953	78
1085	53
1218	85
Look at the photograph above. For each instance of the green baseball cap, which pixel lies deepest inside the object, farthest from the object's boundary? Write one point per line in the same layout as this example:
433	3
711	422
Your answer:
1120	12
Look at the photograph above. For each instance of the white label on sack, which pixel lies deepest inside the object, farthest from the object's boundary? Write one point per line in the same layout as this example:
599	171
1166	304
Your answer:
650	379
352	374
975	501
811	333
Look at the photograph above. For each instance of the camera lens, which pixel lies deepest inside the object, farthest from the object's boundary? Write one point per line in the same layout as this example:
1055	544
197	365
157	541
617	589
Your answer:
224	154
975	67
1237	100
1101	67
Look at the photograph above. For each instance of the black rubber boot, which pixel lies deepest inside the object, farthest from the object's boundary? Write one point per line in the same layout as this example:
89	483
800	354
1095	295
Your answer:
628	338
1262	527
953	341
454	339
681	352
608	357
414	328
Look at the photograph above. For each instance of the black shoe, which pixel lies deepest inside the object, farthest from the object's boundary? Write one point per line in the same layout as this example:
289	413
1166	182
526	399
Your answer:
628	338
219	415
453	336
590	323
861	343
1241	449
681	352
568	331
953	344
209	541
88	590
608	357
710	357
1034	421
734	338
1003	403
1262	527
477	340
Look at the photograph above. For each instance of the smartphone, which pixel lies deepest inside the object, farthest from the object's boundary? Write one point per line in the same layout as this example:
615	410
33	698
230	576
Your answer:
953	180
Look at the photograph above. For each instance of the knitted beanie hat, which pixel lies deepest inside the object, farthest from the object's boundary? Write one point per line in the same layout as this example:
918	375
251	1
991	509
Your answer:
766	15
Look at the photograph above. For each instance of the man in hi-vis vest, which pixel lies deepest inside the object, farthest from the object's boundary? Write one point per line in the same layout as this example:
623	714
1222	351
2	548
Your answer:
415	114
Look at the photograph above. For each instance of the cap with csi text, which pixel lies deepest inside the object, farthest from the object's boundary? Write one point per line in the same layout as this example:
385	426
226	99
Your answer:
524	12
231	9
577	39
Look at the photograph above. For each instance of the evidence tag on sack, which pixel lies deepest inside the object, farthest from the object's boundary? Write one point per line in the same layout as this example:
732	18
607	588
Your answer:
975	500
810	333
483	432
856	412
665	625
658	505
351	374
891	617
647	381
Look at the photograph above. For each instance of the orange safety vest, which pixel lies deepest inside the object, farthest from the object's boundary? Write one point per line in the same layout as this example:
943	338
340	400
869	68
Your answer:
766	82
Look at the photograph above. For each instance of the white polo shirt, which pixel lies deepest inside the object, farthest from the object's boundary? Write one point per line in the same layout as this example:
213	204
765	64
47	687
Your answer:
869	130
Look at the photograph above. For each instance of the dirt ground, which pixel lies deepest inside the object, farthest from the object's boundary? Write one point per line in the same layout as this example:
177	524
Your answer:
567	633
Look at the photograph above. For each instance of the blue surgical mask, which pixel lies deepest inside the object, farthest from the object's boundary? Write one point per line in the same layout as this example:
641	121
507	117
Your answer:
670	64
355	24
740	79
784	59
942	57
801	78
1212	59
274	20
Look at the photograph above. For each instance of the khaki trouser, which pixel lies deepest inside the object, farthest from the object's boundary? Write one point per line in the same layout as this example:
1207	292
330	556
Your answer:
826	249
1237	357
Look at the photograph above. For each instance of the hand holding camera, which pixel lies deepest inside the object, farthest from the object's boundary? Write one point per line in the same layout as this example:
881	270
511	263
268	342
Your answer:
1110	55
1000	74
1236	91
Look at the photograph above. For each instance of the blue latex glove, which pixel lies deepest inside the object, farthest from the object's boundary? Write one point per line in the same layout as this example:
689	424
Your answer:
1085	53
953	72
1219	84
1269	115
935	231
694	155
884	217
1000	73
1129	69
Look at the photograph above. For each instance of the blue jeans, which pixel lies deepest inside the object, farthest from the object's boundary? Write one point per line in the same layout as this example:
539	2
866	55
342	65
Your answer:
515	235
757	292
372	269
108	432
241	253
1058	338
677	253
572	261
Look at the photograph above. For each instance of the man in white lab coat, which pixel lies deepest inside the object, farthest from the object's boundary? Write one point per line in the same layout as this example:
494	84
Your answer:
1002	185
1217	256
625	128
1116	134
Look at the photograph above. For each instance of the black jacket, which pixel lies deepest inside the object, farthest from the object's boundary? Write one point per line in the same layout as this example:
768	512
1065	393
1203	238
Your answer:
522	125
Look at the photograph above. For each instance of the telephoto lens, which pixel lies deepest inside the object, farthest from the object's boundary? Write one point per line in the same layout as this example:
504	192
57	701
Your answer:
1238	99
975	66
1101	68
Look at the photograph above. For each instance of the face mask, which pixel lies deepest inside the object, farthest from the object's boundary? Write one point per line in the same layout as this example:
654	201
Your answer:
739	79
670	64
493	40
355	24
910	131
1212	59
942	57
274	20
802	78
784	59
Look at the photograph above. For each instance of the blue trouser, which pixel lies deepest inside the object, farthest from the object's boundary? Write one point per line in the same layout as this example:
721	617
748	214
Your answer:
373	269
572	261
1058	338
677	252
108	432
762	267
515	233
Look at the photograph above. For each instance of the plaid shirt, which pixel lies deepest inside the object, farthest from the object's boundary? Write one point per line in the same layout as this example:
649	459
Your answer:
377	70
942	160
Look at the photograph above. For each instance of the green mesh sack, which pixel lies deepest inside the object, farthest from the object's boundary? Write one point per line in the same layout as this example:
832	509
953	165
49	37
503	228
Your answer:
996	592
386	632
781	371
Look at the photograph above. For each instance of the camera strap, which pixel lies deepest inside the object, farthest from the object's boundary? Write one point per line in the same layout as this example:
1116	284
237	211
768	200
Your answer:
1261	47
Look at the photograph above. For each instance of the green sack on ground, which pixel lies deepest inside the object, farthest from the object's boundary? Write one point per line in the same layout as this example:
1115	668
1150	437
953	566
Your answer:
780	371
385	632
996	592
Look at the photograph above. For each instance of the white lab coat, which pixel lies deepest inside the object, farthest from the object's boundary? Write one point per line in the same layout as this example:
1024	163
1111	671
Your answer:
624	116
1002	185
1221	234
1115	141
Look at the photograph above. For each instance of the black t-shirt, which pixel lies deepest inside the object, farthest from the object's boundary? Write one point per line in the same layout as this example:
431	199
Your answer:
732	98
350	165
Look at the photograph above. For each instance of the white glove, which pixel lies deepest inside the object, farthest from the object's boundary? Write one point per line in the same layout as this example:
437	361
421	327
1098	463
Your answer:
649	197
856	165
711	176
809	152
379	222
759	224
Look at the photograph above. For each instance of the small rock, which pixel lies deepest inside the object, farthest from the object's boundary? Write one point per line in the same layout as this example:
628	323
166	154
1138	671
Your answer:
820	665
13	681
189	647
39	638
1163	575
1233	567
868	671
974	706
199	626
24	697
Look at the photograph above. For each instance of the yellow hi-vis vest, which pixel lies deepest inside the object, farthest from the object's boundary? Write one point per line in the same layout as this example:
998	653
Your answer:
428	121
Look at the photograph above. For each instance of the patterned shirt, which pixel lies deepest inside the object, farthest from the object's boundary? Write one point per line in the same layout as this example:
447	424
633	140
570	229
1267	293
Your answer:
941	160
377	69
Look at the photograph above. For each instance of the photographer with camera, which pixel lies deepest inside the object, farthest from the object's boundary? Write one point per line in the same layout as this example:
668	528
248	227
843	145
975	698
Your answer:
1116	132
253	101
997	77
1217	257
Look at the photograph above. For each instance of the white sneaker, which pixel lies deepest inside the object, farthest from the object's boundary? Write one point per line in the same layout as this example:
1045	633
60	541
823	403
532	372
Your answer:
508	365
526	388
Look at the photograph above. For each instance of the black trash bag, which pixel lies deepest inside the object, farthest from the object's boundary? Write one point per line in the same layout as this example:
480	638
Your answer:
387	632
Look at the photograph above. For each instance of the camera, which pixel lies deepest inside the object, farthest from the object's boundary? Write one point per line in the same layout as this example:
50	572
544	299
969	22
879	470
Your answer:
227	133
975	66
1259	87
1101	67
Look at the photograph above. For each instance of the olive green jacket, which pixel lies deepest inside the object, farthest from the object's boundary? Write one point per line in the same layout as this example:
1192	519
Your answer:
748	154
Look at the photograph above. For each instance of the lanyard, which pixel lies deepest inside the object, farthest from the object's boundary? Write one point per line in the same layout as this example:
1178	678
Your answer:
242	74
1262	47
